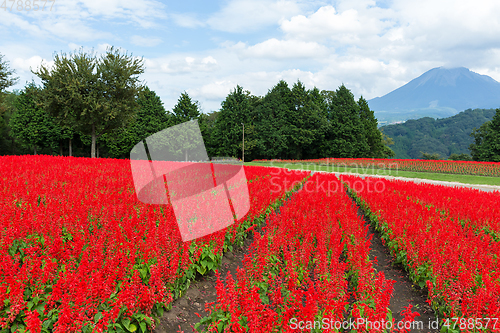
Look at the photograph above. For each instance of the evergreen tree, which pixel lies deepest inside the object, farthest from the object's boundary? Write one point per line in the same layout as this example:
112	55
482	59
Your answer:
371	132
235	111
273	122
304	122
185	109
30	124
150	118
346	133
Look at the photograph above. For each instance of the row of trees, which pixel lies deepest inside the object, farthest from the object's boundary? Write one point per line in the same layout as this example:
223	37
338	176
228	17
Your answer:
294	123
85	100
99	101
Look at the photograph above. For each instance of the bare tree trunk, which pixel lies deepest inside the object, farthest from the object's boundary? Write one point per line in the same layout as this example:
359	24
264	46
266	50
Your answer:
34	149
92	147
97	150
186	155
70	150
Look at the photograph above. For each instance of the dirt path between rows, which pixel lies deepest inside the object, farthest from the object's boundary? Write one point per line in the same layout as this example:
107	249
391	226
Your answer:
404	291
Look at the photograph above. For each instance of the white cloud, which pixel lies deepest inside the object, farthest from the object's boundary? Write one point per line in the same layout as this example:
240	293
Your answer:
217	90
243	16
145	41
187	20
179	64
346	27
281	49
142	12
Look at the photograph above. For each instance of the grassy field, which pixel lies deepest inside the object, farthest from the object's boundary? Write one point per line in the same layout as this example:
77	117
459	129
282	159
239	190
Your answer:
465	179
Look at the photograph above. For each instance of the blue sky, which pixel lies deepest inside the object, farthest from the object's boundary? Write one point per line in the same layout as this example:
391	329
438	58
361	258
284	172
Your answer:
208	47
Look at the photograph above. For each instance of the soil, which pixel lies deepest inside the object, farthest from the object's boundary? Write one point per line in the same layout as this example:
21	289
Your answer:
404	291
184	313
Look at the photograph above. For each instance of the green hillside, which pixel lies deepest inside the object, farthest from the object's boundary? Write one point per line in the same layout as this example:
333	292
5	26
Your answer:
442	136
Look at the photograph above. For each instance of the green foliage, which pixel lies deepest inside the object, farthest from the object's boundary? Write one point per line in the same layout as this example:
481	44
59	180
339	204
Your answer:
486	146
272	118
460	157
185	109
150	118
30	124
92	95
442	136
305	122
427	156
374	138
6	79
345	136
227	133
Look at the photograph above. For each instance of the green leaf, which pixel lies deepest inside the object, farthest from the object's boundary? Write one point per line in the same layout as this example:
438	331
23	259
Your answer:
126	323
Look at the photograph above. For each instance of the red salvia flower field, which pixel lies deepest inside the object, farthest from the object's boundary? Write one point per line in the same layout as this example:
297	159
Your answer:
80	253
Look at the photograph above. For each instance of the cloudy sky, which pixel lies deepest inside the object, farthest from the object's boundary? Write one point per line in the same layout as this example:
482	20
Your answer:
208	47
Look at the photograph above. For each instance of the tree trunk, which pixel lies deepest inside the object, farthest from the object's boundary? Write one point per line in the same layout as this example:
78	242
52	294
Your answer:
34	149
60	148
186	155
97	150
70	150
92	146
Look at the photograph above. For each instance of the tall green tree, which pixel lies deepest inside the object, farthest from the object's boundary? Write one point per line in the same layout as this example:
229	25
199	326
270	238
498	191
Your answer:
207	123
91	94
6	106
235	111
486	146
345	136
30	124
272	117
150	118
8	143
371	132
186	109
304	122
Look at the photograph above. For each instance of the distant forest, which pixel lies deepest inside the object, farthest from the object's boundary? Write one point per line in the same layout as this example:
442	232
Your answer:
431	136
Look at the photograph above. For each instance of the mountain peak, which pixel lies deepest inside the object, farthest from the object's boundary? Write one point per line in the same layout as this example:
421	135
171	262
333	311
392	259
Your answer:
439	92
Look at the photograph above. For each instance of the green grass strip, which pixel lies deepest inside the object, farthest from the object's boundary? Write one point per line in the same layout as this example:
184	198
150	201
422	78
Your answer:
465	179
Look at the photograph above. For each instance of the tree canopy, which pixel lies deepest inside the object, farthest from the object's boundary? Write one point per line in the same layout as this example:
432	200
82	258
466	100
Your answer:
91	94
486	146
31	124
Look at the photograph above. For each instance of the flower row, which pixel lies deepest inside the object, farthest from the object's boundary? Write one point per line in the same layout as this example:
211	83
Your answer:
458	264
298	269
